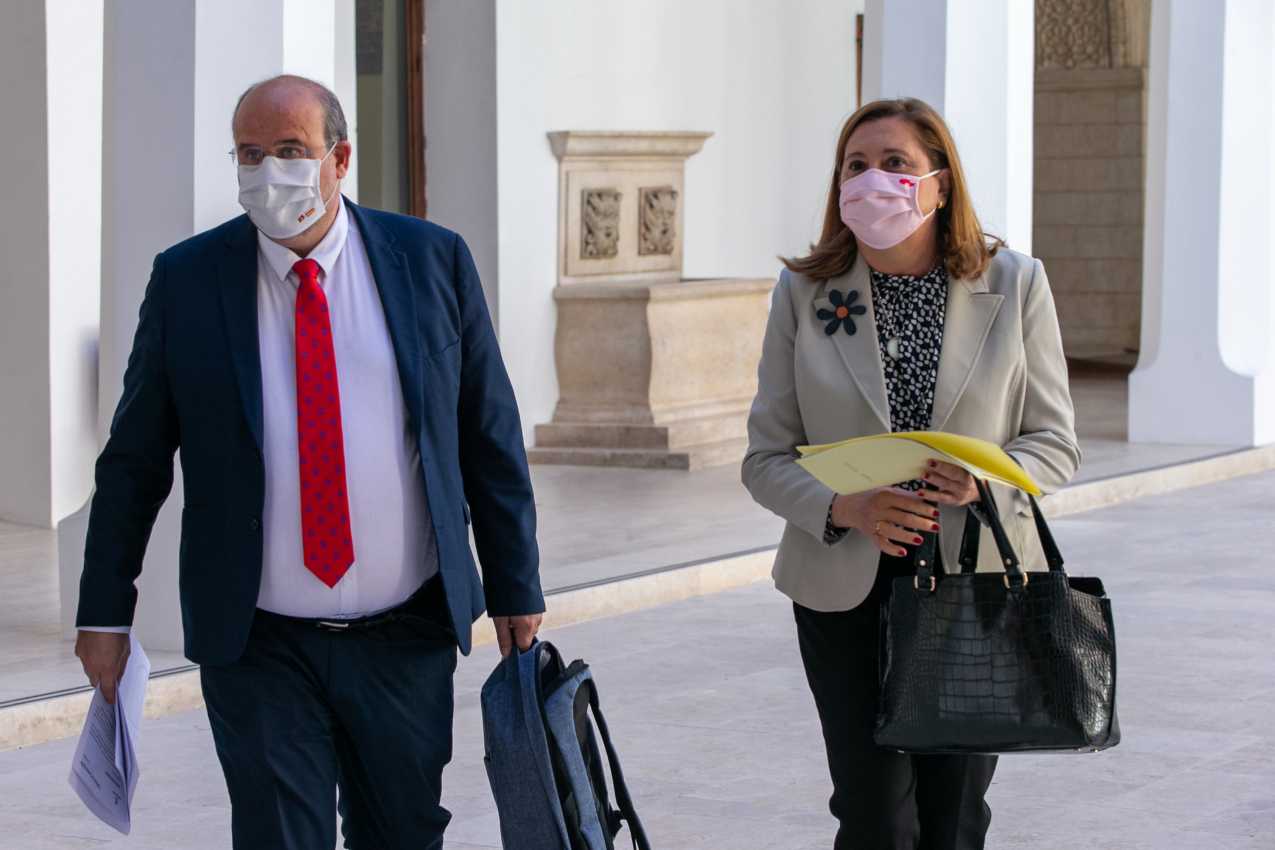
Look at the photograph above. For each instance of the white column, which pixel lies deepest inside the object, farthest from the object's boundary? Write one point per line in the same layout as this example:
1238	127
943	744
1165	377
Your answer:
973	61
174	70
1206	374
460	123
345	84
50	244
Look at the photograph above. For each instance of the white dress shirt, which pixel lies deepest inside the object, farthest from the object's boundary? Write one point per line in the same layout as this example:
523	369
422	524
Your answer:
394	547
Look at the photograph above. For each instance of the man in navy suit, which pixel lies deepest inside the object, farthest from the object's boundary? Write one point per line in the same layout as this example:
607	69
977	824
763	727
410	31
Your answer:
332	379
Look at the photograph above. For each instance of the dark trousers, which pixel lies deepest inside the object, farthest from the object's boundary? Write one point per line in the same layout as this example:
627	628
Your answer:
883	800
364	714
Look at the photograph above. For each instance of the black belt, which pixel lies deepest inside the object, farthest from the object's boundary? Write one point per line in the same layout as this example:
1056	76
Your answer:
416	606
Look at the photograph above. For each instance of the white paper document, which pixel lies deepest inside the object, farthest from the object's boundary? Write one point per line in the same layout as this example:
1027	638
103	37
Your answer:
104	772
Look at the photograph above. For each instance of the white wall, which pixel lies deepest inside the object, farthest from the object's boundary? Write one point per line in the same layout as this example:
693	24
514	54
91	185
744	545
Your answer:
989	104
25	486
345	85
75	244
174	70
773	86
51	60
974	62
1206	374
1244	310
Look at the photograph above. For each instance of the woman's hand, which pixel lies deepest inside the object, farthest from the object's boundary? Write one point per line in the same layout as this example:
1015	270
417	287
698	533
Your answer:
955	485
889	516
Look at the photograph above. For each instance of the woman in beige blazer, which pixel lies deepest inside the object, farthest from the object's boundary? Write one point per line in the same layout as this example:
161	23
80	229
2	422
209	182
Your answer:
904	316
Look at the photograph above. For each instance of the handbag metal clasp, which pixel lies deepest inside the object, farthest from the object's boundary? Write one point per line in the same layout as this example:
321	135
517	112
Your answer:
1008	586
916	583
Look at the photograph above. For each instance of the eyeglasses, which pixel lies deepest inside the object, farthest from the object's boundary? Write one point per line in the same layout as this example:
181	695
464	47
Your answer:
253	155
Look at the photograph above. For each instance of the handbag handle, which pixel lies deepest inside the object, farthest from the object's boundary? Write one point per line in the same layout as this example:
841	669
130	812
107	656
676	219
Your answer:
1053	556
928	557
928	554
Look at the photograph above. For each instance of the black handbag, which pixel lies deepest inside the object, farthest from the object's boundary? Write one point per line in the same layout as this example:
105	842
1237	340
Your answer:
996	662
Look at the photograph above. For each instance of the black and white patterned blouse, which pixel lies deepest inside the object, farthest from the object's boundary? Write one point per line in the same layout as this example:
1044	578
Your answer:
909	314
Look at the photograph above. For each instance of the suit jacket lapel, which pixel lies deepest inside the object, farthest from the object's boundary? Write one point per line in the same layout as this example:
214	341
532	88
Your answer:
971	308
860	350
398	297
237	279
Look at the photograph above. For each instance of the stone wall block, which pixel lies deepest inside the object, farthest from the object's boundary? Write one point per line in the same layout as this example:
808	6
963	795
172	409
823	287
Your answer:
1131	140
1055	141
1088	175
1130	108
1088	107
1054	240
1092	208
1120	242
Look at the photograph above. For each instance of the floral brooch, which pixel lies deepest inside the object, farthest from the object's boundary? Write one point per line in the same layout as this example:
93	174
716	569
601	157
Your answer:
842	313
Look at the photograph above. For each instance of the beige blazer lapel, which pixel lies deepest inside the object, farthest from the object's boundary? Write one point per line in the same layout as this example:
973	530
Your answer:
971	309
860	350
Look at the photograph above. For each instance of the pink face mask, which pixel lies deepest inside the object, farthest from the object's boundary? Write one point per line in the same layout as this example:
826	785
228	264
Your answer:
881	208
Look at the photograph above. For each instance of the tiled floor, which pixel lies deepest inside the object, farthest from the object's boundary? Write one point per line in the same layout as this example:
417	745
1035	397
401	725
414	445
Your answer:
594	524
720	741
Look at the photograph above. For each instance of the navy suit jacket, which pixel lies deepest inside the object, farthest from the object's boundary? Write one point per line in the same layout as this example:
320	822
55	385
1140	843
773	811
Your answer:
193	384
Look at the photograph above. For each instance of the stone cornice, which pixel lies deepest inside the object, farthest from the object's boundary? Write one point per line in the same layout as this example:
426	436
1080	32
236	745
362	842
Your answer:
657	144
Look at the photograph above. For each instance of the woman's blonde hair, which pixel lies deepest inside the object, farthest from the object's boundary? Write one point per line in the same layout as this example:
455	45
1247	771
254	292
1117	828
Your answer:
965	248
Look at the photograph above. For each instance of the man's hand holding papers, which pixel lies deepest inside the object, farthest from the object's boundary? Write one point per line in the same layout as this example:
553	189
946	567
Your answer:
104	771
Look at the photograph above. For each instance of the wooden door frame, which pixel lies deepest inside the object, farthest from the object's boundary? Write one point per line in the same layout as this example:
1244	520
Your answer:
858	61
414	26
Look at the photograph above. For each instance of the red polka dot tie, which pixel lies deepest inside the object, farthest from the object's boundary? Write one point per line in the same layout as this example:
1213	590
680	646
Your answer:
325	507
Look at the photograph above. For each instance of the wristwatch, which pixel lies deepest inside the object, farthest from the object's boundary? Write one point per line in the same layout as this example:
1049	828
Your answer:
831	532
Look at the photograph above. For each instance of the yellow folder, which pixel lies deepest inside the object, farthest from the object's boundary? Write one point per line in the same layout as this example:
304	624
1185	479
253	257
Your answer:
865	463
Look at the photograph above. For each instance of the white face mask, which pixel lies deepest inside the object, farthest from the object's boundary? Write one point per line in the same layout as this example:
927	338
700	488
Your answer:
283	196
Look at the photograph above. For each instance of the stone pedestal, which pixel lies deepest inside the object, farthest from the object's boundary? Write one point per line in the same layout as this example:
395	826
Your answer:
654	371
655	375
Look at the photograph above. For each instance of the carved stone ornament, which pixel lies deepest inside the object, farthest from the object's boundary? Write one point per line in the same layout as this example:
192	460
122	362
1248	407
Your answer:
657	232
1073	34
600	224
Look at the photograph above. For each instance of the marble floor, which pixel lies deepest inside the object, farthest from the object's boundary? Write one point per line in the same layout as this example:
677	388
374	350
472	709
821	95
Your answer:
721	745
594	525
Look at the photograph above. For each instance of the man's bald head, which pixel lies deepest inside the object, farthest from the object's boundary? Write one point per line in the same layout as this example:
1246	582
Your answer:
292	118
289	92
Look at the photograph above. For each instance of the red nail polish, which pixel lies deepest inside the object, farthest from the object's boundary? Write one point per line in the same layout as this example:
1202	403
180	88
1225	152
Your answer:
935	513
934	527
916	540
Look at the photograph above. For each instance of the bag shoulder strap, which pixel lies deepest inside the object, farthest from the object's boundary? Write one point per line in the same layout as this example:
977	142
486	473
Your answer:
622	797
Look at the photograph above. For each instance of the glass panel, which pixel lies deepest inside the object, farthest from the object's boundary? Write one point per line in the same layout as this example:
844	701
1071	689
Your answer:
382	118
